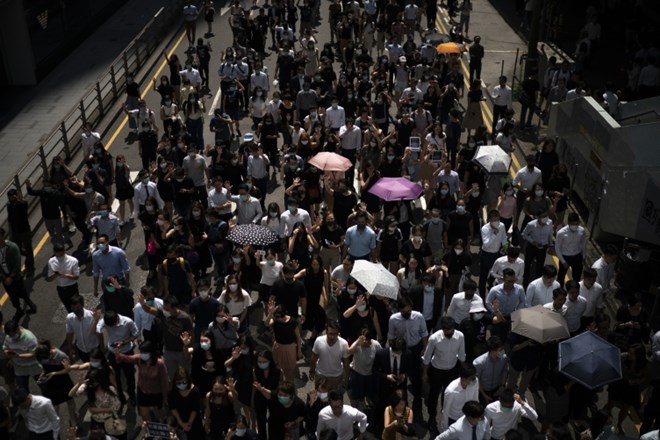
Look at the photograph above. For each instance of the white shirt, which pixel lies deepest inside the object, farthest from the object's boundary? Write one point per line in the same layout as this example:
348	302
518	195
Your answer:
570	243
142	192
41	416
605	273
462	430
236	307
502	96
342	425
459	306
350	139
502	263
330	363
527	178
452	179
288	221
143	319
335	118
501	421
575	311
594	297
66	265
218	198
538	293
551	306
490	241
455	398
83	330
443	353
191	75
107	226
89	140
259	79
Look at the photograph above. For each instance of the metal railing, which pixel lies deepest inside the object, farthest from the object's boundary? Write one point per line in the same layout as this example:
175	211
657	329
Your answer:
65	138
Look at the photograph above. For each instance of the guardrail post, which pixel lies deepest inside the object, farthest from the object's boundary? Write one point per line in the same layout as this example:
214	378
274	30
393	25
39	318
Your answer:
42	156
138	62
82	111
113	81
99	98
17	184
65	141
125	58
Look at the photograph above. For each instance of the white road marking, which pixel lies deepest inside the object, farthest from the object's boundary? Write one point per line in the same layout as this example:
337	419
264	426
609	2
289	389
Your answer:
215	102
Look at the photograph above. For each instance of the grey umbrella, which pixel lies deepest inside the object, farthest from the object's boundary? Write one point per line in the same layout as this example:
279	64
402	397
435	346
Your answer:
493	159
590	360
376	279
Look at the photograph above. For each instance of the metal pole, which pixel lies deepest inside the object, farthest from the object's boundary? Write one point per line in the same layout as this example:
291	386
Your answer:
99	98
136	45
82	111
532	50
502	68
125	58
113	81
42	156
65	141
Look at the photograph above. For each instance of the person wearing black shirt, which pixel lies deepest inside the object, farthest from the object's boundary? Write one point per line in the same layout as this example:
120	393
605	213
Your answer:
184	189
19	226
289	292
51	210
286	410
530	89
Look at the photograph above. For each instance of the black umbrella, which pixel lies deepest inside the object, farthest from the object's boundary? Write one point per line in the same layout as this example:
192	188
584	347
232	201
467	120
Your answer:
255	235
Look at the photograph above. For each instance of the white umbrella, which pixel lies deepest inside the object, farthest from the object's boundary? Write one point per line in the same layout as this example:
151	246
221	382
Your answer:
376	279
540	324
493	159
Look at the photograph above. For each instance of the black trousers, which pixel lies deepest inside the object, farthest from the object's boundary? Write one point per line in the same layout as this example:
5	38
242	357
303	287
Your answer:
123	369
534	257
575	264
66	293
438	381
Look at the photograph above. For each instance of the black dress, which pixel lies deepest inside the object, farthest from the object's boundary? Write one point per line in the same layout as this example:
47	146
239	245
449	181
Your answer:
315	319
186	405
125	190
222	415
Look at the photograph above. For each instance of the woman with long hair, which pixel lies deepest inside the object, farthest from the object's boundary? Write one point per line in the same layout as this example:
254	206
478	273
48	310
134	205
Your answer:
103	400
398	417
124	188
287	342
237	301
219	413
270	272
317	284
55	382
185	401
207	362
266	374
300	243
225	331
241	362
410	275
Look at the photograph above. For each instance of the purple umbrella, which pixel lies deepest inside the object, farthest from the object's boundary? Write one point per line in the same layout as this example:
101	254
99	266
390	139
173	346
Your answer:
396	188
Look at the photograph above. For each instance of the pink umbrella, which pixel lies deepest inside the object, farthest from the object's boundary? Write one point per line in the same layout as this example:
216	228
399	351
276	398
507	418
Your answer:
327	161
396	188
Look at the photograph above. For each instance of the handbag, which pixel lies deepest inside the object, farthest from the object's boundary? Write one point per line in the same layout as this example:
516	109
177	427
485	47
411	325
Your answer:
114	426
151	247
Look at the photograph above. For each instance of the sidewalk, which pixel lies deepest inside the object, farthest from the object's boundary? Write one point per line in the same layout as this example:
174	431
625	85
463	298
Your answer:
35	111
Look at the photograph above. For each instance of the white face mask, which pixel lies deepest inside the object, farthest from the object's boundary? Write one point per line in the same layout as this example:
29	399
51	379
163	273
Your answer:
495	224
203	294
458	251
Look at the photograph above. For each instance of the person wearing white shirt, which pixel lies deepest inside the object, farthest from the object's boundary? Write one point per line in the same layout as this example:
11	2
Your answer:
458	392
493	237
291	216
335	116
144	319
64	269
340	418
461	302
540	290
511	261
192	75
558	303
492	369
604	267
219	199
502	99
259	78
450	177
330	356
106	223
539	237
351	142
444	350
471	426
89	138
40	417
525	179
81	329
571	248
593	293
144	190
576	305
504	414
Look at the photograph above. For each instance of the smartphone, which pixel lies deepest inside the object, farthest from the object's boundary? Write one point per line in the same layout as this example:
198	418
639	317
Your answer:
160	430
415	143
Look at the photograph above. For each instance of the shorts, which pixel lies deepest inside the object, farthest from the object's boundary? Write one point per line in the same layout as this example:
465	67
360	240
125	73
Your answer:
149	400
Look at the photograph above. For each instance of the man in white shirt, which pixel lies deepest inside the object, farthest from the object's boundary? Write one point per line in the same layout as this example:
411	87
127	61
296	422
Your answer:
64	269
218	199
502	99
81	329
335	116
571	248
471	426
461	302
591	291
197	170
291	216
351	142
331	358
192	75
504	414
525	179
190	13
540	290
145	190
257	169
89	138
444	350
39	414
259	78
512	261
340	418
446	175
145	320
576	305
604	267
558	303
539	237
493	237
458	392
248	208
106	223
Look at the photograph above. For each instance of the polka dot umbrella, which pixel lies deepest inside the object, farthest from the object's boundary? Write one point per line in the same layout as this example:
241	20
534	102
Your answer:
251	234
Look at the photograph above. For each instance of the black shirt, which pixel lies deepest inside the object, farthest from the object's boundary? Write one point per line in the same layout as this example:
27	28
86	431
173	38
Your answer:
50	202
279	415
17	216
288	295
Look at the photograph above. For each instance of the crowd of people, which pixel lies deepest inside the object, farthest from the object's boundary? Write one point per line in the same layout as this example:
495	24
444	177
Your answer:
213	343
